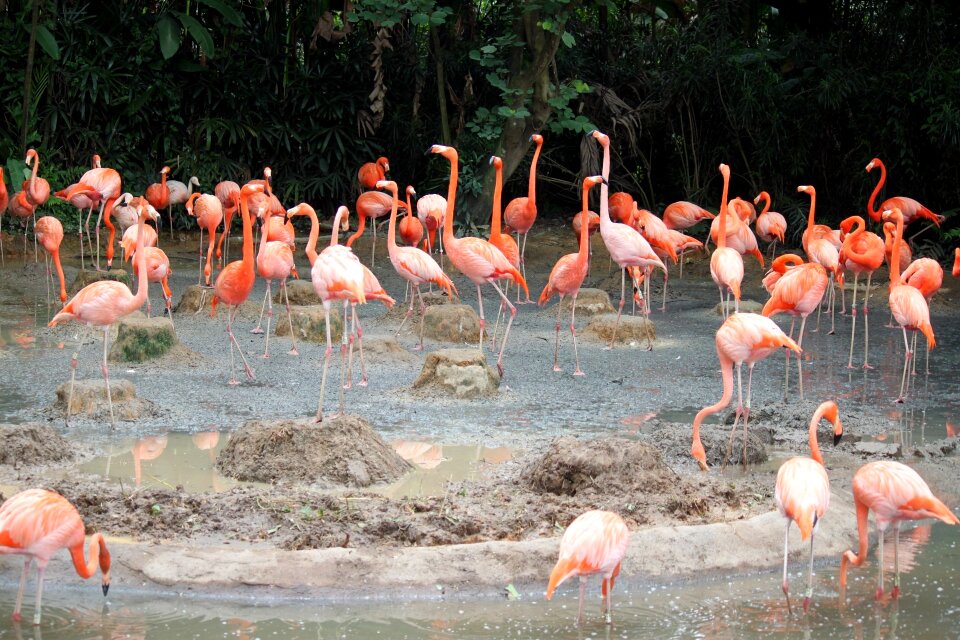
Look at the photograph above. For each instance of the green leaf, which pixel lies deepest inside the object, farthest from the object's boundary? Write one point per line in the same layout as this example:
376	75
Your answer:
419	19
568	39
198	32
231	15
488	49
169	34
46	40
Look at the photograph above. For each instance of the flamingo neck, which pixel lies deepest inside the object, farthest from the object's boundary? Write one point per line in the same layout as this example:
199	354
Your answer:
814	423
726	371
392	225
55	254
33	173
848	556
409	206
141	296
191	201
335	232
108	222
311	249
605	187
361	225
99	556
532	181
895	256
495	228
813	208
264	232
722	237
247	236
190	188
584	225
766	202
163	182
871	203
448	238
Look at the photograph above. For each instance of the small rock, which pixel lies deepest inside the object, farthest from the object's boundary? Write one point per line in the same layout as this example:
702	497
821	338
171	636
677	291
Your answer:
385	349
194	297
881	449
590	302
937	449
85	277
746	306
140	338
462	373
309	322
300	292
633	330
90	400
456	323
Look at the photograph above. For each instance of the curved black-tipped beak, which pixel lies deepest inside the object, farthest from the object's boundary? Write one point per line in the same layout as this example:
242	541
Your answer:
106	588
428	151
604	181
491	159
836	439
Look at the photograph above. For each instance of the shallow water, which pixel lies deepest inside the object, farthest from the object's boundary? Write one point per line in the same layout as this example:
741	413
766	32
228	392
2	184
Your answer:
744	606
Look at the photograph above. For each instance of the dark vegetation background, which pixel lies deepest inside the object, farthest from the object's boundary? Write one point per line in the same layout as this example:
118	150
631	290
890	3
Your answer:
788	92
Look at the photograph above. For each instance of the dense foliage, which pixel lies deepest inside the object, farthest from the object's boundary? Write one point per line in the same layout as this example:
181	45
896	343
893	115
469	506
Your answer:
787	93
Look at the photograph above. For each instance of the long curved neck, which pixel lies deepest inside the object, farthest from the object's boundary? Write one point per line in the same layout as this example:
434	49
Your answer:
141	296
584	224
361	225
722	237
532	184
895	256
409	206
191	201
264	232
247	235
108	223
190	187
726	371
814	423
863	527
33	174
335	232
497	200
55	254
871	203
766	202
813	209
163	182
448	238
392	227
605	187
98	554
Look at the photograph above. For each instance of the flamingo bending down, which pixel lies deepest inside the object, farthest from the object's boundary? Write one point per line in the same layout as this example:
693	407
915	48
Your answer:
894	492
208	211
37	523
410	228
726	263
49	232
739	236
521	213
910	208
108	184
128	242
907	304
862	252
771	226
414	265
124	214
371	172
567	277
743	337
595	542
37	191
778	268
503	241
925	275
101	304
802	493
336	275
682	215
477	259
627	247
431	209
234	284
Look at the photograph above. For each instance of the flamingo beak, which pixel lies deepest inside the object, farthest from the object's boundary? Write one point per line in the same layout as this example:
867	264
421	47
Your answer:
836	439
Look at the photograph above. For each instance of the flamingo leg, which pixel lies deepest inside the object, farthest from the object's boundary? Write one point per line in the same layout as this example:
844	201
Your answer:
913	347
86	226
36	255
746	412
809	594
833	304
80	227
523	267
293	337
682	251
843	297
423	313
23	584
895	592
866	324
480	309
373	252
269	301
200	267
207	269
73	377
906	367
506	333
263	306
573	332
609	601
233	343
880	566
363	367
106	374
853	323
556	344
786	366
170	218
799	356
351	337
723	304
97	229
623	292
406	315
46	263
496	325
786	552
440	243
167	296
927	356
583	593
344	337
326	360
736	418
41	567
663	305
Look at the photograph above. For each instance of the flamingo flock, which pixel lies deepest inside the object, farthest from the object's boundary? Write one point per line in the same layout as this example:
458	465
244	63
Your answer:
36	523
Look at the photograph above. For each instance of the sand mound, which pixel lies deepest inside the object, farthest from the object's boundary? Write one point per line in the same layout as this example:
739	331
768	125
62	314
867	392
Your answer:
342	451
605	467
27	444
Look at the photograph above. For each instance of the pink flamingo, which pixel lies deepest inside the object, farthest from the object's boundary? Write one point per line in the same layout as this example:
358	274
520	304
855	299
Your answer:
275	262
373	205
595	542
37	523
413	265
911	209
956	258
477	259
158	271
862	252
739	236
410	228
925	275
778	268
4	201
101	304
37	191
503	241
822	245
49	232
208	211
726	263
567	277
107	183
771	226
682	215
85	198
626	246
663	242
521	213
431	210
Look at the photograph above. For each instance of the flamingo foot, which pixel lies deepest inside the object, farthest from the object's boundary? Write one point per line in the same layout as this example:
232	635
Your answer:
895	593
363	382
293	352
831	332
16	617
579	372
806	604
557	369
879	594
265	356
249	372
257	330
500	369
867	366
850	366
900	400
233	382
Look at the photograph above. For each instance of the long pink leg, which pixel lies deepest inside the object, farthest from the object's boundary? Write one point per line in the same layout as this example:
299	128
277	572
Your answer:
363	367
200	270
480	308
736	418
895	592
906	367
23	583
406	316
293	337
799	356
786	553
234	343
207	270
351	339
73	377
880	565
746	413
809	594
663	306
833	305
523	267
623	292
573	332
41	567
556	344
853	319
269	300
343	353
506	334
326	360
496	326
263	306
583	593
786	365
423	312
106	375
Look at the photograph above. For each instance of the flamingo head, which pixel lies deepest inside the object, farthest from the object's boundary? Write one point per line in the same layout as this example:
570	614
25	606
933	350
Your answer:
874	163
195	181
343	214
536	139
600	137
830	411
387	185
267	173
699	454
125	198
251	188
383	162
724	170
165	171
892	215
95	161
763	195
496	162
805	188
592	181
411	191
447	152
31	155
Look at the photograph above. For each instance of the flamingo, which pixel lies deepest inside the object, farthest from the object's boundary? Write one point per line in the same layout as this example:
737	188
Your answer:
228	192
621	207
907	303
911	209
925	275
626	246
371	172
682	215
128	241
274	262
158	195
107	183
798	292
431	209
21	208
906	254
414	265
802	493
743	209
521	213
83	199
234	284
477	259
739	236
771	226
4	201
956	255
37	523
336	275
101	304
862	252
37	191
894	492
179	194
662	241
124	214
743	337
567	277
823	247
208	211
410	228
370	204
778	268
595	542
49	232
726	263
502	241
158	270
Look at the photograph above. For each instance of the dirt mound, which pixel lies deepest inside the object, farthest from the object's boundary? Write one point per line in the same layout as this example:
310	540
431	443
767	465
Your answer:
343	451
27	444
140	338
674	440
611	466
90	400
632	331
461	373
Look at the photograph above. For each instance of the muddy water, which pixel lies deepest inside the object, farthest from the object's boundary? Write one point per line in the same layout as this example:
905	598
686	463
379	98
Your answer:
745	606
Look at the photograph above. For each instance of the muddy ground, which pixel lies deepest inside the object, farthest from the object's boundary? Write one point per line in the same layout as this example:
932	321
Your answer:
616	439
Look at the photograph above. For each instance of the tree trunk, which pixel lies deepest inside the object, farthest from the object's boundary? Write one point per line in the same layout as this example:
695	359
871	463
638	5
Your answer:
28	75
441	88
